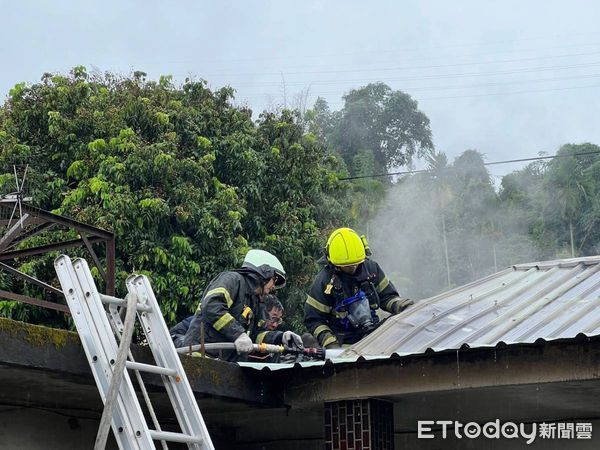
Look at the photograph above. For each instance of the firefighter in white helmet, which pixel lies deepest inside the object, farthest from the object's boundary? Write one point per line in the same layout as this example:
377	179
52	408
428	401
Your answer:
229	306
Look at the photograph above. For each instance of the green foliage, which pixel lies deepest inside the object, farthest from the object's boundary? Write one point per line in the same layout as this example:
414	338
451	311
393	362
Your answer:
187	181
569	199
558	201
17	90
377	129
449	227
377	120
451	221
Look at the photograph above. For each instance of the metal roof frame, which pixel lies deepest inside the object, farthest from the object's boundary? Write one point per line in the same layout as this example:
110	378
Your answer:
27	221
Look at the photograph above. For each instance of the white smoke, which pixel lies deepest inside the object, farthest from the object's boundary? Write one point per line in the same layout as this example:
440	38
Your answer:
425	251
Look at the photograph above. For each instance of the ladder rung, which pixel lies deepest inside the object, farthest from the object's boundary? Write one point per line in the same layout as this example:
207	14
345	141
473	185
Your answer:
103	332
150	368
174	437
110	300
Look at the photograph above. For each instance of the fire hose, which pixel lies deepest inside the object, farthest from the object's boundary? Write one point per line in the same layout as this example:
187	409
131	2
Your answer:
318	353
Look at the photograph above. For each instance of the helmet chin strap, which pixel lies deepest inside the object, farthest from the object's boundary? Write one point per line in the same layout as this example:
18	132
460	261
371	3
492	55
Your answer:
260	290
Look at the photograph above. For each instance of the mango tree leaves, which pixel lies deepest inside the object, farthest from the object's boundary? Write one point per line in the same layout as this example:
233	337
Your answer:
187	181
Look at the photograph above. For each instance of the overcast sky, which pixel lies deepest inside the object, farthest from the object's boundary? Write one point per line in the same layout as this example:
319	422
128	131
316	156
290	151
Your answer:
508	78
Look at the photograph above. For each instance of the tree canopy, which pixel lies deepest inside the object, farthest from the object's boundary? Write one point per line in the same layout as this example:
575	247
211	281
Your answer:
187	181
377	128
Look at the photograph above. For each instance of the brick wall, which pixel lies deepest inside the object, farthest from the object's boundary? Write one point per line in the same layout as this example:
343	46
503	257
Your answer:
359	425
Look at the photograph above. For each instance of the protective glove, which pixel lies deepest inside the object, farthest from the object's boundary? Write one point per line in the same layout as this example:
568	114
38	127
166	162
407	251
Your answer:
243	344
292	340
401	305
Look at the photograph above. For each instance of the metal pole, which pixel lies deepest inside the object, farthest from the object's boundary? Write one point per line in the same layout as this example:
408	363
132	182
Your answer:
110	266
495	259
94	256
45	248
31	279
117	374
446	249
572	242
34	301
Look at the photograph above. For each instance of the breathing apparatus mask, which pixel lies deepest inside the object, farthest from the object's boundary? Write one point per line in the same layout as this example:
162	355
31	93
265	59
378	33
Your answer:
359	314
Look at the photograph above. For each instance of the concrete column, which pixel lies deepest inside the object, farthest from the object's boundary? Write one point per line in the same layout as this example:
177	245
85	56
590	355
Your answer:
359	425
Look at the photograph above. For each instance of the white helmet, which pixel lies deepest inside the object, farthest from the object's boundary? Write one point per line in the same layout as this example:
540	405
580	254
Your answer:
267	265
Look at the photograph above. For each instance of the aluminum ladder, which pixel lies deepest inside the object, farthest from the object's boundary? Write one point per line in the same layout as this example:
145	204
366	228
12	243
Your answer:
98	330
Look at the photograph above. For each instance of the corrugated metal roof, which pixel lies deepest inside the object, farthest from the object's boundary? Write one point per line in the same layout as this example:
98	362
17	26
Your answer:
548	300
333	357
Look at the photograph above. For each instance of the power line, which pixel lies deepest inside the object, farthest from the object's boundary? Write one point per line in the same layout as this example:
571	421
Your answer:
487	94
244	98
410	172
539	158
398	68
370	64
396	51
412	89
527	91
338	82
421	77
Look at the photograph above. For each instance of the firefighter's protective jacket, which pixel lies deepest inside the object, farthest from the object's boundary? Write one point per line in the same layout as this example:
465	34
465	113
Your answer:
178	331
181	328
331	286
228	308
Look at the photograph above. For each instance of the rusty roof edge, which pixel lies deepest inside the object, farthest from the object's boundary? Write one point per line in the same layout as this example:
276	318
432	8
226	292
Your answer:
34	347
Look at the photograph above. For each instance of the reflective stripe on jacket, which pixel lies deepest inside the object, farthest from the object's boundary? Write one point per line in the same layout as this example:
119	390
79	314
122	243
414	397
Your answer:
331	286
226	309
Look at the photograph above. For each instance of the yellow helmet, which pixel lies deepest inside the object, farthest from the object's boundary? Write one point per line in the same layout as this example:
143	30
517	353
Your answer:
345	248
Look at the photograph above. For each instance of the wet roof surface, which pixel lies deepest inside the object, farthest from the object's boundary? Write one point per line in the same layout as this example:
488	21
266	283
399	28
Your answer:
546	300
543	300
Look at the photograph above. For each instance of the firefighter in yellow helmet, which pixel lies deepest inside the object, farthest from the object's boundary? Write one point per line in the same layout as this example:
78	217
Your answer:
341	305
